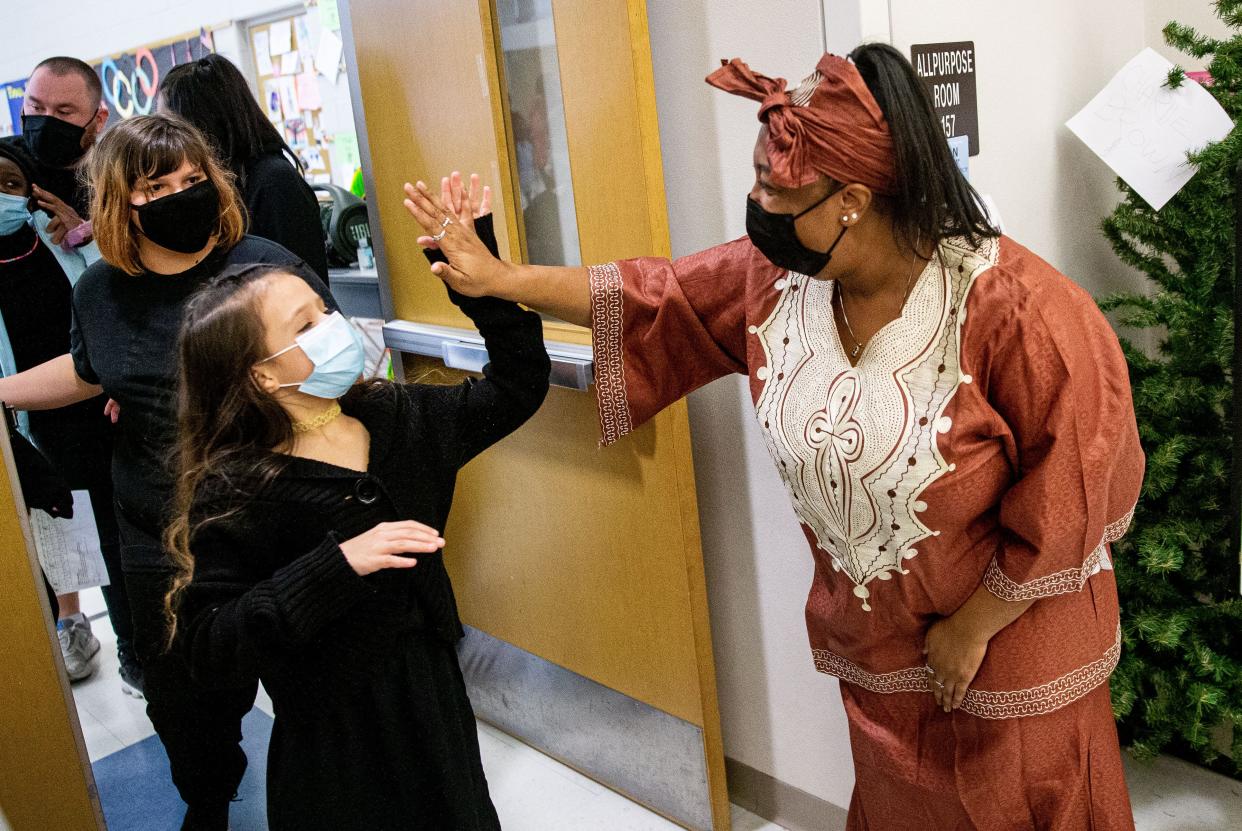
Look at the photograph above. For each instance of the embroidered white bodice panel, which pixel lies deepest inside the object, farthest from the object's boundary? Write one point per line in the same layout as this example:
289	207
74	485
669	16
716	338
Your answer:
857	445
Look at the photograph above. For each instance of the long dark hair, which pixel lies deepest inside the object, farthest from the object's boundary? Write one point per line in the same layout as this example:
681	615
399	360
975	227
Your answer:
227	426
933	198
212	94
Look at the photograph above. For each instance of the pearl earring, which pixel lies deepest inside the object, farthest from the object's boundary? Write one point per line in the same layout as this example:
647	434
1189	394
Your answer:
844	219
854	217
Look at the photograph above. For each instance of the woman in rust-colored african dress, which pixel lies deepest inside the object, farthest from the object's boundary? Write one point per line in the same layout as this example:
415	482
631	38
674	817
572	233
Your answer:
951	418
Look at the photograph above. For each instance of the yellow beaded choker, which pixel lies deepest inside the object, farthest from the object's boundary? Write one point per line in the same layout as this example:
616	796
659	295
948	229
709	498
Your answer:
321	420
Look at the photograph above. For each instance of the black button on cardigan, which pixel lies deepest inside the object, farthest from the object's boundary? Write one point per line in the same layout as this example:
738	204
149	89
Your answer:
366	490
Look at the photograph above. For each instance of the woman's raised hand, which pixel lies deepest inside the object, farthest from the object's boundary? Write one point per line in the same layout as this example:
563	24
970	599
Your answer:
448	224
388	544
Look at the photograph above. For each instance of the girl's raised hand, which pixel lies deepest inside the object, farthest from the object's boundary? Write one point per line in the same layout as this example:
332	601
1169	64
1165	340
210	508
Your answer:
467	204
385	545
471	269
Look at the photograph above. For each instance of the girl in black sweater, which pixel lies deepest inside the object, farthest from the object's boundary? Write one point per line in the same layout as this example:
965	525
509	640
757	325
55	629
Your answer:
305	531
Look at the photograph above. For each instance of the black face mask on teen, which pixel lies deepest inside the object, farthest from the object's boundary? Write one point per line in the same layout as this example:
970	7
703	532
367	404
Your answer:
182	221
776	237
53	141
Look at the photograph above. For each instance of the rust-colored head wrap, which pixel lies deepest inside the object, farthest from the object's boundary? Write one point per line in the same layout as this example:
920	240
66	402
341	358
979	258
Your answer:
829	125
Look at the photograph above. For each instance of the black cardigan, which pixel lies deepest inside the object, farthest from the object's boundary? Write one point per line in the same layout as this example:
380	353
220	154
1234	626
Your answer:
273	595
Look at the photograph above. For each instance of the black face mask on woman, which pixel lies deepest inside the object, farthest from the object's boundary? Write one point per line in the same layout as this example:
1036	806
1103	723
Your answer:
776	237
182	221
53	141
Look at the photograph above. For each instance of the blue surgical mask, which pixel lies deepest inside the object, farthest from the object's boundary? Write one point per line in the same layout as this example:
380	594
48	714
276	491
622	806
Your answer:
14	213
335	348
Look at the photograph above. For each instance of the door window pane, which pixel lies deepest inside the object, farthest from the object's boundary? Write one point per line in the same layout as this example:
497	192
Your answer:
537	113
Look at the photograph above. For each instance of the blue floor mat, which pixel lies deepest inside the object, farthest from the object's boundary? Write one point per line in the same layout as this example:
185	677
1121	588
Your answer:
137	792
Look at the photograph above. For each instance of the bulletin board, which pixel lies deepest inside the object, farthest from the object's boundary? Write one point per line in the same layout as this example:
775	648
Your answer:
288	88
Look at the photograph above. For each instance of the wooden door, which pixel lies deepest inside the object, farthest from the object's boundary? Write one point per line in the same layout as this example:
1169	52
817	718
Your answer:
578	569
45	777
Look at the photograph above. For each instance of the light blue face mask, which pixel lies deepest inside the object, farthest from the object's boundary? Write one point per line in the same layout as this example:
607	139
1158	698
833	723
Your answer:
335	348
13	214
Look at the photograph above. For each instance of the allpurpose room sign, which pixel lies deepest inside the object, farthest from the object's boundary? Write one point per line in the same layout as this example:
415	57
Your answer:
948	72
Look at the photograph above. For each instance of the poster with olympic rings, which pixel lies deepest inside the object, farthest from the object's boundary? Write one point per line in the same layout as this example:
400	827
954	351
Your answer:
131	81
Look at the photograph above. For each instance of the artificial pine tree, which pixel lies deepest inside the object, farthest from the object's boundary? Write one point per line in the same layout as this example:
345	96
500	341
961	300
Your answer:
1179	683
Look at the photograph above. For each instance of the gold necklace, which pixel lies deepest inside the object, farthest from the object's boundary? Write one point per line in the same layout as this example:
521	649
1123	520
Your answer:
840	296
321	420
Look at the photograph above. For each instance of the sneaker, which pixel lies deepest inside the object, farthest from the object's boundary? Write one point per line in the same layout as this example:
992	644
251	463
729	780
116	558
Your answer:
78	646
131	674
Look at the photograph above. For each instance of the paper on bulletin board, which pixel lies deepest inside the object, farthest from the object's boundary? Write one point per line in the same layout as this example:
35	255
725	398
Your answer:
301	33
289	63
281	33
313	158
329	16
288	95
308	92
346	147
295	133
328	58
262	58
271	100
1143	130
68	549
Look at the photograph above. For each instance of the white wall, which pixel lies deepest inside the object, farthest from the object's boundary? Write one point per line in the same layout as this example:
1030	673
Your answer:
1200	14
90	29
1037	65
779	715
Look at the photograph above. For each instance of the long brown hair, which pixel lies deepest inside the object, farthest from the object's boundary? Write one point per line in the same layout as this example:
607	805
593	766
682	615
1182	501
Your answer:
227	426
147	147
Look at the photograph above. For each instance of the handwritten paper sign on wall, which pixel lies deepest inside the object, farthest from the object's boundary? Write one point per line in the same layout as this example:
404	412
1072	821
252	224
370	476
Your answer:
1143	130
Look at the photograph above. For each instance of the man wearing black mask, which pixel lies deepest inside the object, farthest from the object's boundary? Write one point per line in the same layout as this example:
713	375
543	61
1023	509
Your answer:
62	115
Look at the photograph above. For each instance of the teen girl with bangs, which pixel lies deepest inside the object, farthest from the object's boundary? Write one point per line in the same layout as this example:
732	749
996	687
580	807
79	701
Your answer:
307	551
167	221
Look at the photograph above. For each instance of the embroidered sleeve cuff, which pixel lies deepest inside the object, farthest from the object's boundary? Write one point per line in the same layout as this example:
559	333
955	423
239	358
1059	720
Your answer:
606	339
1066	581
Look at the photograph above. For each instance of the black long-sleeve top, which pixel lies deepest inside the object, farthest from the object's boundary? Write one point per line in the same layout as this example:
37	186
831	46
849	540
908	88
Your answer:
284	209
373	727
271	582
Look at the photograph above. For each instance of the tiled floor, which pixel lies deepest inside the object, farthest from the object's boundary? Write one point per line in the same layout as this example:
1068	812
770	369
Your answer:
535	793
531	791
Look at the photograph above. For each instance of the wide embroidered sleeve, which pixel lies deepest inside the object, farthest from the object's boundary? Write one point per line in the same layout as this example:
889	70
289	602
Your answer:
1059	382
661	329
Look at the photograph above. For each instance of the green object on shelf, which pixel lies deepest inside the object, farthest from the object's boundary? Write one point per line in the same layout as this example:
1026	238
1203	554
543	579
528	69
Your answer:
358	187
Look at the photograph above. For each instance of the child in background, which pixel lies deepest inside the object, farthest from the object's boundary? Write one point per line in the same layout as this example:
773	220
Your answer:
305	532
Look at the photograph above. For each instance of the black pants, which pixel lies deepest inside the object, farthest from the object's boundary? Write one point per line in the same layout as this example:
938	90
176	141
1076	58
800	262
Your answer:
81	452
200	729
